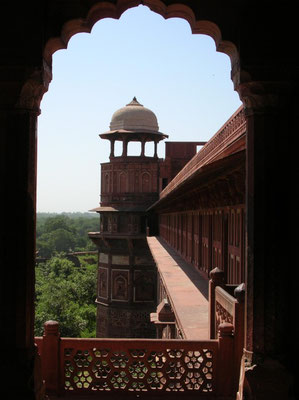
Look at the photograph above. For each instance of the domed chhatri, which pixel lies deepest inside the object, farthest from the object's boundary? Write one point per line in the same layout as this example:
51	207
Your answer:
133	123
134	117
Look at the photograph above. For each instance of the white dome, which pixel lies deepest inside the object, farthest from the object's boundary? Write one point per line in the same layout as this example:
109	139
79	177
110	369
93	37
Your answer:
134	117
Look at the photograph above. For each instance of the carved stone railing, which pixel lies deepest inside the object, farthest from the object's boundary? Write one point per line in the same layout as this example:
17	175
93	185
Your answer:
229	308
164	319
138	366
225	137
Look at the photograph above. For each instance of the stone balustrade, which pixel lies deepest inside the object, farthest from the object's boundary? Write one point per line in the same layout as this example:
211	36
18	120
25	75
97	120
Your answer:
138	366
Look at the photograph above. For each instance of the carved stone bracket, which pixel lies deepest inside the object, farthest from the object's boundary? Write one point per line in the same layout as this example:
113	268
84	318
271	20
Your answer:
34	88
22	88
261	97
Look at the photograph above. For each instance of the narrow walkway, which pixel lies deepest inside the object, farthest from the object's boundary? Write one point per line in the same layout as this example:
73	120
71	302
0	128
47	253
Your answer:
186	288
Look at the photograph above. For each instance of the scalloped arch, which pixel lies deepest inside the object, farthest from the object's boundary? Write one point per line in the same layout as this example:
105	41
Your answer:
34	88
108	10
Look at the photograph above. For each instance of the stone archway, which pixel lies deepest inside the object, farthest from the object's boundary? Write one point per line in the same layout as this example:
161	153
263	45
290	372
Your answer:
267	86
36	83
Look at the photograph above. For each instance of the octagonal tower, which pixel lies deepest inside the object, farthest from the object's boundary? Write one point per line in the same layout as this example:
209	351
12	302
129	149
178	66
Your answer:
126	293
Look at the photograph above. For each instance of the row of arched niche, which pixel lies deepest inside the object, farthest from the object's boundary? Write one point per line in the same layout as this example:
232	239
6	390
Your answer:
142	183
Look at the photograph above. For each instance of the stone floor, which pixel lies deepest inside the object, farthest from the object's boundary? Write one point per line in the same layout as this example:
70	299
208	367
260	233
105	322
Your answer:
187	289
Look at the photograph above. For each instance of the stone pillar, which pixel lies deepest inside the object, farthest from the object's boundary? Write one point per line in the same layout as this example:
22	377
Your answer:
51	357
225	375
19	109
142	148
18	187
112	142
155	152
269	320
125	148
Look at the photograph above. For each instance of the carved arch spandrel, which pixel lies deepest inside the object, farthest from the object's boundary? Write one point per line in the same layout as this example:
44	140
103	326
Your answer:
106	9
36	87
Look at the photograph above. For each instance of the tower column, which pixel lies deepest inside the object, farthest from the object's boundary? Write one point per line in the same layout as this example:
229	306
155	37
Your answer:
112	142
156	146
142	148
125	148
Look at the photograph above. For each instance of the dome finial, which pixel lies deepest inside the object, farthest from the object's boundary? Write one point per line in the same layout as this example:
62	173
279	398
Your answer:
134	102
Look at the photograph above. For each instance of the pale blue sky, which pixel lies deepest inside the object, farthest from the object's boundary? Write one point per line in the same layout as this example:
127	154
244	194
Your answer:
179	76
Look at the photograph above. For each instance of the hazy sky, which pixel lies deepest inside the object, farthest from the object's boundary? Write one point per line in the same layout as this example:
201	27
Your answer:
179	76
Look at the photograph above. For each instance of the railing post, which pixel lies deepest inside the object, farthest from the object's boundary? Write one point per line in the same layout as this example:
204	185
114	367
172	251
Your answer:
226	370
239	293
51	356
217	279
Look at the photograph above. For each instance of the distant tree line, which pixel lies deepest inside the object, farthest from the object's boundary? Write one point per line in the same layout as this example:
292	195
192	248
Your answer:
65	292
65	232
